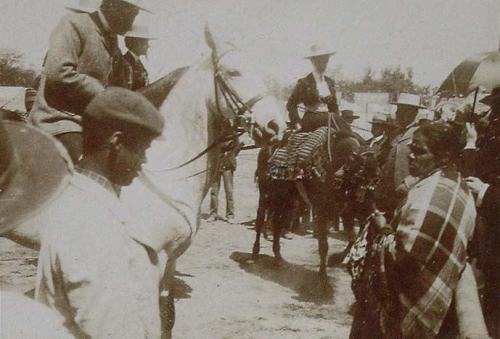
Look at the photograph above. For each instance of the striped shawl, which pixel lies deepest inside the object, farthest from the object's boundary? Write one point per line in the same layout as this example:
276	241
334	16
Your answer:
424	263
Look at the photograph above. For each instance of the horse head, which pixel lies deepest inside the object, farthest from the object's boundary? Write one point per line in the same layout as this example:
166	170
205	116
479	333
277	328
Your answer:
241	96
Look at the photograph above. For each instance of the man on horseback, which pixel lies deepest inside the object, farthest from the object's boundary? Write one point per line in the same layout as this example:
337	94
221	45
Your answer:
137	42
97	267
83	58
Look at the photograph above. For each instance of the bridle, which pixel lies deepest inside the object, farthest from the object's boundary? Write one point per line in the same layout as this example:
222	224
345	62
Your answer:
242	122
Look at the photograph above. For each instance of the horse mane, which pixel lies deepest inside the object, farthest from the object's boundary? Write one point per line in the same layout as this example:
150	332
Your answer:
158	91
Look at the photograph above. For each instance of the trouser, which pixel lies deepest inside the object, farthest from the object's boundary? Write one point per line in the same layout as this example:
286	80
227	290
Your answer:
227	177
73	142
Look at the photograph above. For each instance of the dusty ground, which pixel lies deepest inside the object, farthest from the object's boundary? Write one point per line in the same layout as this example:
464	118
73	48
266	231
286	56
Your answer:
223	293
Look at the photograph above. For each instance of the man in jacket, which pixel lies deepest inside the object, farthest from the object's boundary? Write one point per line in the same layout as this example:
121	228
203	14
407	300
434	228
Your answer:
396	167
83	58
97	267
137	42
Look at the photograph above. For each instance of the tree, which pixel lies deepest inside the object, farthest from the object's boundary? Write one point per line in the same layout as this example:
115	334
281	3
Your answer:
13	72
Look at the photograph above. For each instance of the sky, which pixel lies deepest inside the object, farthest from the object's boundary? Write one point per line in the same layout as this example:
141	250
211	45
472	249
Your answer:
431	36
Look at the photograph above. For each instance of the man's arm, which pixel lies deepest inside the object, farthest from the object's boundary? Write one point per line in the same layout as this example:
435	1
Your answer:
66	88
292	103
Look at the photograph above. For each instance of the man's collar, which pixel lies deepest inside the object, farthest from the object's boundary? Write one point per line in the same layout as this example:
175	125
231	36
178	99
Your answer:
104	21
101	180
318	77
135	56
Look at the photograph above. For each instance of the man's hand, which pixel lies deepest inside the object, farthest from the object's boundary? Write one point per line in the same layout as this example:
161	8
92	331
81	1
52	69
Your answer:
475	184
471	135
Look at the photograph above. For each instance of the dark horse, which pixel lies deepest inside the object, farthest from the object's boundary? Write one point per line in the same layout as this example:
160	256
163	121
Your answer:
318	192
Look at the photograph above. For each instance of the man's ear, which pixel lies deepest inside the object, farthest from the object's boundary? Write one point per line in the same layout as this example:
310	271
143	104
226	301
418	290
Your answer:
115	141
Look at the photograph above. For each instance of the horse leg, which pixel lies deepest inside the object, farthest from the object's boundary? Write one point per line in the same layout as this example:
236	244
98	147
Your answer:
167	300
259	224
322	227
277	221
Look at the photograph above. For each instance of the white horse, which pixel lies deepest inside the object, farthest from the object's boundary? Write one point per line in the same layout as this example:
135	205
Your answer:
180	166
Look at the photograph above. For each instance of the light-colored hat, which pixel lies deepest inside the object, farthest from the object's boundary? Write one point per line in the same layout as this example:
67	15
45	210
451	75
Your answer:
139	32
409	100
424	114
318	50
380	118
34	169
84	6
141	4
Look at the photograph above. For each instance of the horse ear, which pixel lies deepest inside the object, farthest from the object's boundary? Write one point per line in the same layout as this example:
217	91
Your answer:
209	38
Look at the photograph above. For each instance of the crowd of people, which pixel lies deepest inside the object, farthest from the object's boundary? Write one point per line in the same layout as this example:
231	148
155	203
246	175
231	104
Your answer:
429	225
431	215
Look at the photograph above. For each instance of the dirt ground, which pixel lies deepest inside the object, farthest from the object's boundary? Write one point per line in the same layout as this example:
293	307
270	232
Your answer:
222	293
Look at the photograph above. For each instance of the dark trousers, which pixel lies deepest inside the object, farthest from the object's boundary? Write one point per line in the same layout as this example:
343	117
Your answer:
227	177
73	142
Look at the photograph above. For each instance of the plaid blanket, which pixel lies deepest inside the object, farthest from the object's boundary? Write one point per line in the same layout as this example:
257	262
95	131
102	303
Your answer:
424	263
302	157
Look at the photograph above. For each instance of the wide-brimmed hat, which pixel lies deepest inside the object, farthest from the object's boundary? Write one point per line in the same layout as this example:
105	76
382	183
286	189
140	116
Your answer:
34	169
141	4
83	6
348	114
409	100
379	118
318	50
424	114
491	98
139	32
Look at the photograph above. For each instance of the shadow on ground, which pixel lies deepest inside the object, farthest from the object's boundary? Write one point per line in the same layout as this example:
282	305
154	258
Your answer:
299	278
182	289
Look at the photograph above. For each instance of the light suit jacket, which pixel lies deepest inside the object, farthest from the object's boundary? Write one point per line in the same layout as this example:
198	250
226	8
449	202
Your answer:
95	266
78	65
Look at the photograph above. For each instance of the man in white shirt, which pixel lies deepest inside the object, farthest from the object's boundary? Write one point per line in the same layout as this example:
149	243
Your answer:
97	268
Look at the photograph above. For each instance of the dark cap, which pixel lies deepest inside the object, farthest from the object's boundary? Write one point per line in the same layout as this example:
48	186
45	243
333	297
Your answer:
492	98
124	106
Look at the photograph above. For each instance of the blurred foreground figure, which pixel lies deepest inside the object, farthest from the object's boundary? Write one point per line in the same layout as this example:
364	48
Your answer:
33	171
97	268
486	184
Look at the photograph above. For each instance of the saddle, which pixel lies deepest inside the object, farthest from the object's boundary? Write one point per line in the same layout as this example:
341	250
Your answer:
301	156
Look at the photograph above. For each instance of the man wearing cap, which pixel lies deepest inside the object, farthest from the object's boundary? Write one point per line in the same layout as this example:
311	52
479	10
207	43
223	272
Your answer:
486	185
137	42
396	167
97	267
83	58
317	93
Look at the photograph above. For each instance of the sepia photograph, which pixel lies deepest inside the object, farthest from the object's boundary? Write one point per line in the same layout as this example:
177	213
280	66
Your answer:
250	169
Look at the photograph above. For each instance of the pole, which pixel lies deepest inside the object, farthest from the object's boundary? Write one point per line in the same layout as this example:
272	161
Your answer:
472	115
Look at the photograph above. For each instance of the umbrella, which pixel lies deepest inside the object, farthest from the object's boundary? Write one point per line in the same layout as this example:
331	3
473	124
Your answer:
478	71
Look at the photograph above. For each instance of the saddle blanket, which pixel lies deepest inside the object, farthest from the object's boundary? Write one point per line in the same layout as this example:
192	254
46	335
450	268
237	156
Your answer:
303	156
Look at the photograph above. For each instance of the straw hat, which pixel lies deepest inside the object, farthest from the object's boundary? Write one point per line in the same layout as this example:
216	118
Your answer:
379	118
141	4
84	6
409	100
34	169
318	50
139	32
424	114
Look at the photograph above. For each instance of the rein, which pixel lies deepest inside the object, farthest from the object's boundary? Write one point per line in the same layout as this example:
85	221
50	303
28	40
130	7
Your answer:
238	107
